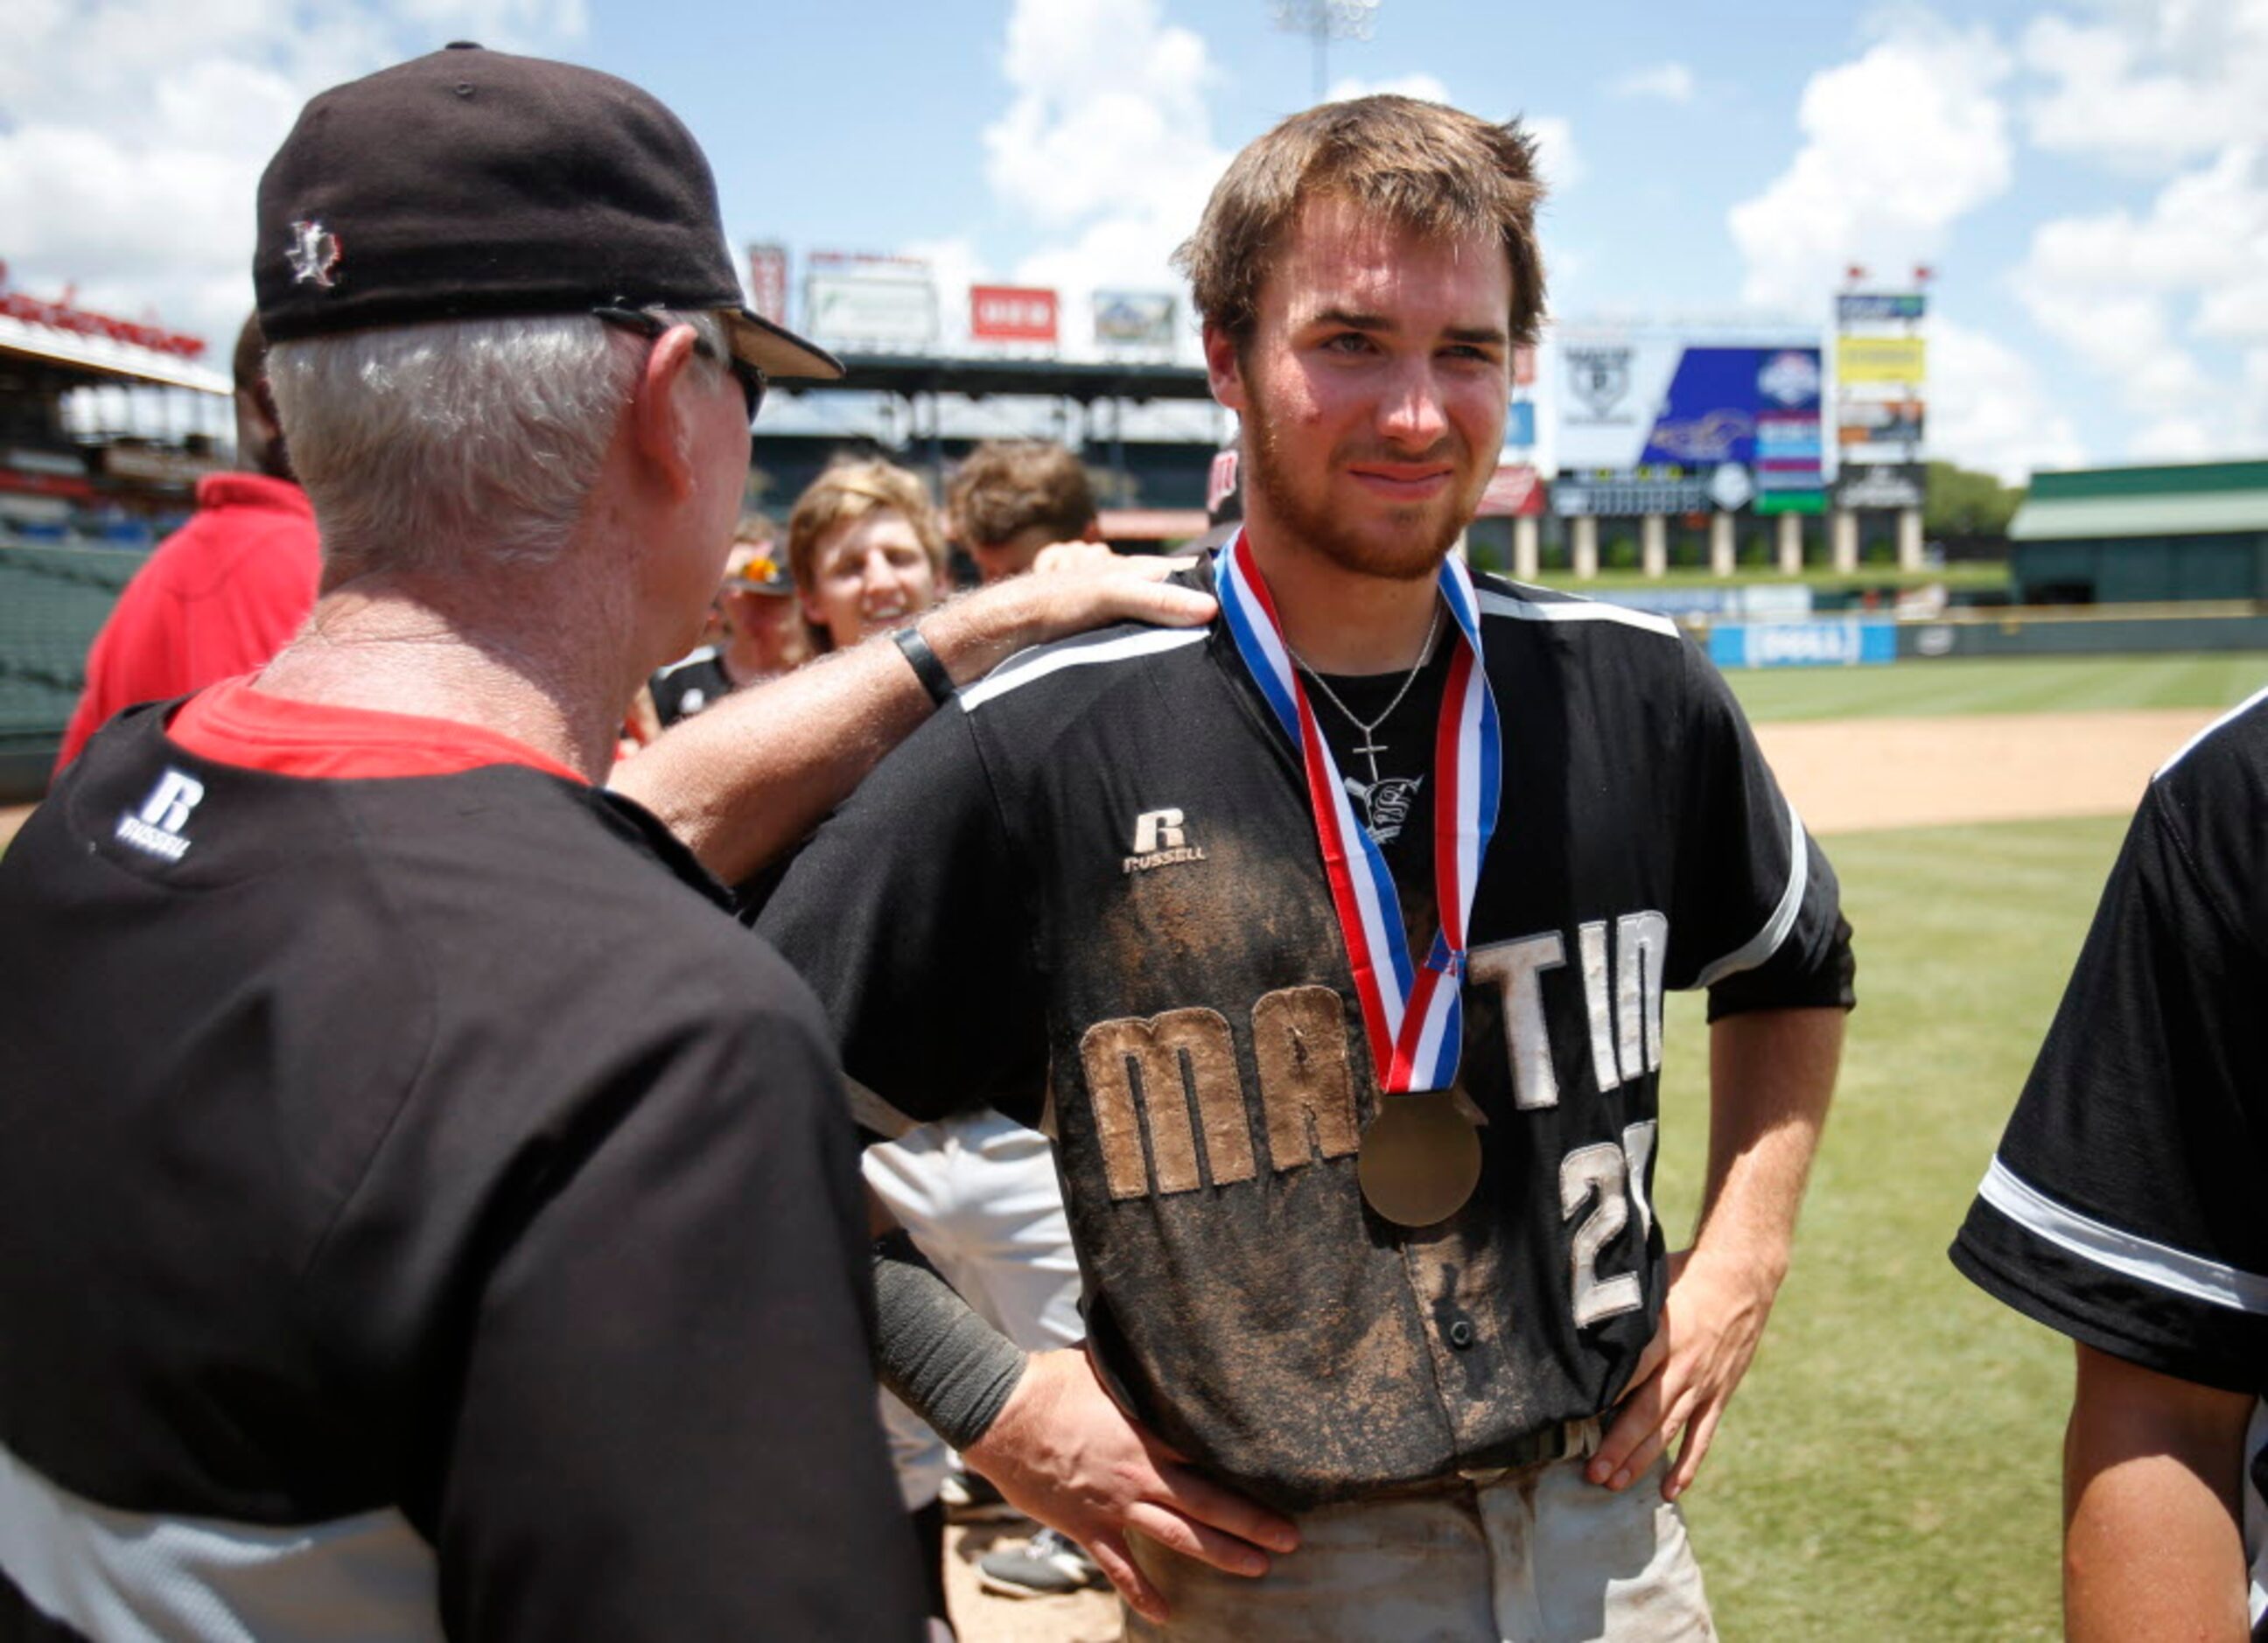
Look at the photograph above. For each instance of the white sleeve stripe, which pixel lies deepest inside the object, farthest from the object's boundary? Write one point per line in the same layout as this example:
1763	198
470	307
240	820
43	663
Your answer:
1011	675
2115	1250
1767	940
141	1577
2238	712
870	1111
1578	609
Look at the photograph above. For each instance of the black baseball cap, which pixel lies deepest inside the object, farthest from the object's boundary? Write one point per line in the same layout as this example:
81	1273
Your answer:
473	183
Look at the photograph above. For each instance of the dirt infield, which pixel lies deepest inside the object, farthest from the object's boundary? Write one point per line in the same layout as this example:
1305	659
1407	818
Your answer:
1852	774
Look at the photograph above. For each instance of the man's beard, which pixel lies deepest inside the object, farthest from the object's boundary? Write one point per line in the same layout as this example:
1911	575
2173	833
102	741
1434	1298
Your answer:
1413	551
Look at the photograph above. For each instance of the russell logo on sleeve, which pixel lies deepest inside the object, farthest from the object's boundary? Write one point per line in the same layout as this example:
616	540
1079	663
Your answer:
157	829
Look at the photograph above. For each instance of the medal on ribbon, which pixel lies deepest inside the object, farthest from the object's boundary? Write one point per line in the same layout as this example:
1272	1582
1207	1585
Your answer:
1420	1157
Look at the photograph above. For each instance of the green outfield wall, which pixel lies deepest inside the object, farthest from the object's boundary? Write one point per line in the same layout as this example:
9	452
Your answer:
2236	626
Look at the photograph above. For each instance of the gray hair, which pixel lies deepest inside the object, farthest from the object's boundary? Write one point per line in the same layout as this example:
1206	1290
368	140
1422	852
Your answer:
460	441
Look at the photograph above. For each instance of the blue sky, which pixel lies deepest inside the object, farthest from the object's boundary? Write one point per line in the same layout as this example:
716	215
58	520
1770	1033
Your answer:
2088	178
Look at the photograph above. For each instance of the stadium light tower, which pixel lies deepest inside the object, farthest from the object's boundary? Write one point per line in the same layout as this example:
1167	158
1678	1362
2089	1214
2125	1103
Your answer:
1324	21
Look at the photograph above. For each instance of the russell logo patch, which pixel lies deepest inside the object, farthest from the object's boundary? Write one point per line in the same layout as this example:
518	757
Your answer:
157	827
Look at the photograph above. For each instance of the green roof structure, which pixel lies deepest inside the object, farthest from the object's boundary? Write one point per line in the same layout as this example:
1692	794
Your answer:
2189	500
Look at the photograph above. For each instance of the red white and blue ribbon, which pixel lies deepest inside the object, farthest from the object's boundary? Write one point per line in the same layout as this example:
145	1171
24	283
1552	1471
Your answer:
1413	1015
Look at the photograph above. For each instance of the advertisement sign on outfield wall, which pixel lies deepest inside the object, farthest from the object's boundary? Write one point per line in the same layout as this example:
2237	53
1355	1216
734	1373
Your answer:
1877	307
1011	314
1881	485
1134	318
1891	359
878	302
1879	422
1516	492
1642	399
767	281
1804	644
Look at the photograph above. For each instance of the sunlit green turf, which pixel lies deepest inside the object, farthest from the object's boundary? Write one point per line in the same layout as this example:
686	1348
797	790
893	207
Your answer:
2054	684
1889	1469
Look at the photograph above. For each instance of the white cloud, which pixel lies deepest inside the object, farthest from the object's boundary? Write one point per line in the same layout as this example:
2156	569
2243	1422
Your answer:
2157	305
1424	87
1108	113
1556	156
1669	82
1105	144
2151	83
2167	305
1988	407
1897	145
135	130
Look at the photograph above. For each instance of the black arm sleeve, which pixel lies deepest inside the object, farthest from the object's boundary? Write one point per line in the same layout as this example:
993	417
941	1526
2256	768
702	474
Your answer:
1759	920
943	1361
906	915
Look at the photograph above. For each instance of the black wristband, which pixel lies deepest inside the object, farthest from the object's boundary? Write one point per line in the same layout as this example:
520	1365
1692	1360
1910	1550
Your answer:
927	668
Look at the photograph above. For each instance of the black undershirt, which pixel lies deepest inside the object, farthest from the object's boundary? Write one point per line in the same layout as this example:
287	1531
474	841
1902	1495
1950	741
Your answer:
1398	809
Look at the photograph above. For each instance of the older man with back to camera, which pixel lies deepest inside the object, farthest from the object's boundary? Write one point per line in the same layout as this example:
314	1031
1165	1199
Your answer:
426	1210
1336	935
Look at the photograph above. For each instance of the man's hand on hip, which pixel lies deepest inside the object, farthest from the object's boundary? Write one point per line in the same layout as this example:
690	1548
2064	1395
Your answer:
1064	1452
1711	1323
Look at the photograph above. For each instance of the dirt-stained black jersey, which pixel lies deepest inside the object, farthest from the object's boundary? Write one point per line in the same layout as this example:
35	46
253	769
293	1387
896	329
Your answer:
1099	879
422	1209
2124	1206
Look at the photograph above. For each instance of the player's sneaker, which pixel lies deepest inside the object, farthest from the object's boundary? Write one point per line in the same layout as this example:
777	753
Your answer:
971	1497
1046	1565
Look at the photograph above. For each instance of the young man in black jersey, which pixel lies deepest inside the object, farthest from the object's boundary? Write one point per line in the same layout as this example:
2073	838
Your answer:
2123	1208
1356	1145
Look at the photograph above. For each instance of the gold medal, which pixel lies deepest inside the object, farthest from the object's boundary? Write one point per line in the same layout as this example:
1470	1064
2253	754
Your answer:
1420	1157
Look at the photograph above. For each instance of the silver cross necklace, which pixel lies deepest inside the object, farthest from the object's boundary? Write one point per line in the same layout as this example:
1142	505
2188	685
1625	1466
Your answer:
1371	747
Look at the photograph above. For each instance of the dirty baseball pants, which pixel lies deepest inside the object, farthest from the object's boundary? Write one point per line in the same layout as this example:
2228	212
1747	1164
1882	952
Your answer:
1542	1556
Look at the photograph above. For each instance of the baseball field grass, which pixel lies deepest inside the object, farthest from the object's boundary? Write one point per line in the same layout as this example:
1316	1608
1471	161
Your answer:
2032	684
1889	1469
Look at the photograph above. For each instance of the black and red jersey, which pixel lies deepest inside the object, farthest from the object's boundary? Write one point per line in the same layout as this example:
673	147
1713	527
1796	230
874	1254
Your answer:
422	1210
1095	886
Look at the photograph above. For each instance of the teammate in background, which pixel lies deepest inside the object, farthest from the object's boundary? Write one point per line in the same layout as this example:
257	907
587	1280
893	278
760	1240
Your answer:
867	550
2123	1208
757	634
221	594
1357	1158
426	1212
976	1192
1011	500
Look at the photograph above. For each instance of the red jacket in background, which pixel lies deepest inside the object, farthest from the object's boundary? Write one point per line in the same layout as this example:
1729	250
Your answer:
219	598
